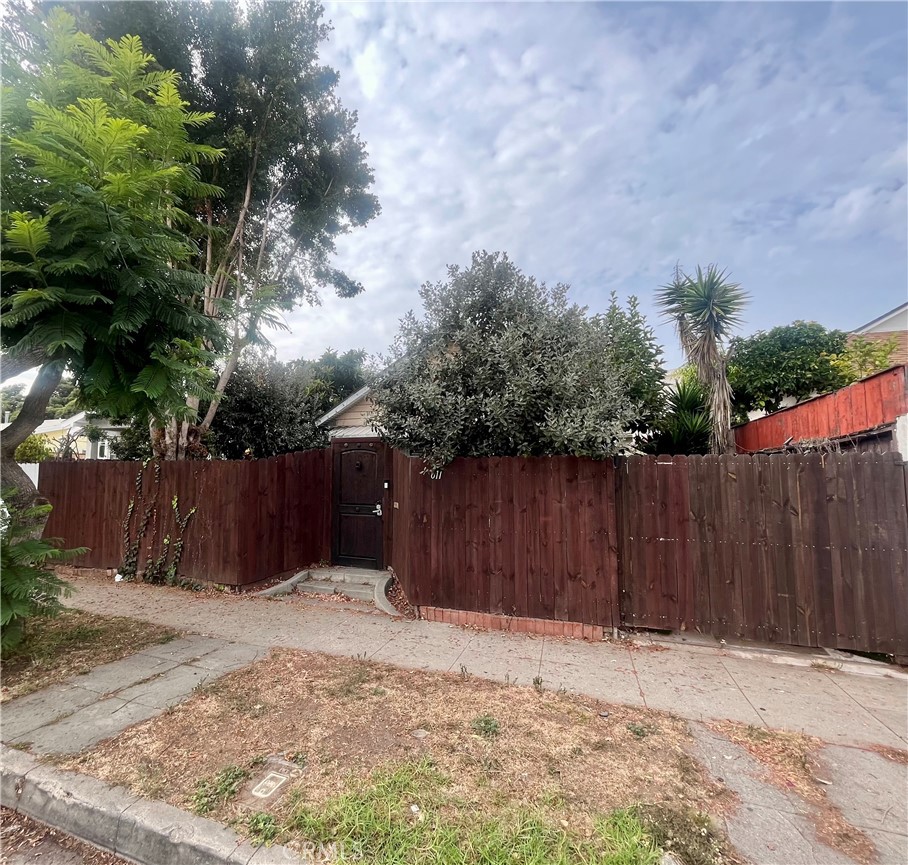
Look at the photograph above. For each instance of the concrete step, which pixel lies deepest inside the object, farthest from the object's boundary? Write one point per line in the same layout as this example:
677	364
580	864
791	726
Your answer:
364	576
360	591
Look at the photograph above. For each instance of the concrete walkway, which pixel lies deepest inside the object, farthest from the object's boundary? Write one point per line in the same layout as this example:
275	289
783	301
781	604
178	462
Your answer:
65	718
696	682
772	826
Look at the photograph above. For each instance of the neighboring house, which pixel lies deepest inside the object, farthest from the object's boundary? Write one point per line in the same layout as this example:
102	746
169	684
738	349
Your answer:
890	325
869	415
351	419
57	430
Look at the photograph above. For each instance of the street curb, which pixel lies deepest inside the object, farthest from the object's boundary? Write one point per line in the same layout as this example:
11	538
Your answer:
113	819
285	587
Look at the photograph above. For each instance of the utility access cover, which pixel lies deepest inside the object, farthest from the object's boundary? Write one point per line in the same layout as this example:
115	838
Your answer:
268	783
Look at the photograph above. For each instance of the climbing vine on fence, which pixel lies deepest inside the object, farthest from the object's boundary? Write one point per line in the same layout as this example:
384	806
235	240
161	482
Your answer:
141	531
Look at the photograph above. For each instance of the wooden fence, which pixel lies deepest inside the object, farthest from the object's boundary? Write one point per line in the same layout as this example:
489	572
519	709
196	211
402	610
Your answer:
253	519
865	405
525	537
807	550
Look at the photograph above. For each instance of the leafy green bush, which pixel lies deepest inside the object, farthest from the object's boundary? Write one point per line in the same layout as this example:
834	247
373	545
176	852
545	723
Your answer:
35	449
863	357
793	360
29	588
503	365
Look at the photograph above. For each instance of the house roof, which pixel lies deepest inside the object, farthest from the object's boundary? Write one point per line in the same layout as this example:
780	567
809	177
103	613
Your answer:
900	308
343	406
57	424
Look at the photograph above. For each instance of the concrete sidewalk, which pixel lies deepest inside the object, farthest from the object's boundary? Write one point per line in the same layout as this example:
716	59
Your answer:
77	713
697	682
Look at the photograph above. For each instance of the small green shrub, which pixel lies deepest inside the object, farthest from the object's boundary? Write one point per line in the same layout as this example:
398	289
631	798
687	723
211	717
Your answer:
28	588
35	449
486	726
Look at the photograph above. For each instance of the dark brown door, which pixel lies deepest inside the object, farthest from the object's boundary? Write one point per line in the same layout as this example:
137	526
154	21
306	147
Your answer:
359	491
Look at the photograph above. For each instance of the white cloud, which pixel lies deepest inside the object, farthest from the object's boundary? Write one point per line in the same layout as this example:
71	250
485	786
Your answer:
599	143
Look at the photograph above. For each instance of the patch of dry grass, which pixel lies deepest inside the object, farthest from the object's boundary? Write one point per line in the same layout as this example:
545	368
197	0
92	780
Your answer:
73	643
552	753
896	755
792	765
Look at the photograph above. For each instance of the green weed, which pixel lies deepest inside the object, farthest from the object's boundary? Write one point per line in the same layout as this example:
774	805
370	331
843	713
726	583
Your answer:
641	731
262	828
212	792
405	816
486	726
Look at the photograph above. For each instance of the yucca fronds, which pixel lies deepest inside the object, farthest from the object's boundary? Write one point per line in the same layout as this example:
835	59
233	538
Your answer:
706	309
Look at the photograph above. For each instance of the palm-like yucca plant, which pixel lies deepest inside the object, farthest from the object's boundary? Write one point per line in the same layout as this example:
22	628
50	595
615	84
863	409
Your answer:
686	428
706	308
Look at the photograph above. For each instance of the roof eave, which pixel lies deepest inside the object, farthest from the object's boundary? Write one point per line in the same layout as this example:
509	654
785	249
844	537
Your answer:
343	406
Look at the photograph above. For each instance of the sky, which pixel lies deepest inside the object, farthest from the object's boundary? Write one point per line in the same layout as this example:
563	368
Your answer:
598	144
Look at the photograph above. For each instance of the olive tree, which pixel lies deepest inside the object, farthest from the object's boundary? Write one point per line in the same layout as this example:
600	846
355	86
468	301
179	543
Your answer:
503	365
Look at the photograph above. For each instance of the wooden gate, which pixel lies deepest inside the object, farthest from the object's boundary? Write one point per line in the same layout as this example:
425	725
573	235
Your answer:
359	491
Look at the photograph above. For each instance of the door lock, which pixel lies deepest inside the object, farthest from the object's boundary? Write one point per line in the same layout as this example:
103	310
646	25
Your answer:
377	510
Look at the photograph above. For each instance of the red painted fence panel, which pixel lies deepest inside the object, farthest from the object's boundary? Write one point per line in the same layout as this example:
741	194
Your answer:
864	405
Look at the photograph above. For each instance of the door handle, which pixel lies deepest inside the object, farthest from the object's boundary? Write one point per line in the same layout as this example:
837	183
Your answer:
377	510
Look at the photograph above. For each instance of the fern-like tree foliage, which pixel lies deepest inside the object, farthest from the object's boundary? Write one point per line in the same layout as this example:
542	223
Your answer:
29	588
99	255
295	173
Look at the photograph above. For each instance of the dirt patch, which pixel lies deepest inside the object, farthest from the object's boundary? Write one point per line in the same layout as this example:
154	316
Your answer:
688	835
73	643
26	841
570	758
792	765
399	600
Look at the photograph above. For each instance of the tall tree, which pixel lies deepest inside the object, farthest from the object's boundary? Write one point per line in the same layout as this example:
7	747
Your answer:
271	408
501	365
706	307
63	402
96	278
795	360
295	174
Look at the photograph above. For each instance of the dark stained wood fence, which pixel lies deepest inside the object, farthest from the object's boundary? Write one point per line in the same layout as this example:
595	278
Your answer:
808	550
89	501
524	537
254	519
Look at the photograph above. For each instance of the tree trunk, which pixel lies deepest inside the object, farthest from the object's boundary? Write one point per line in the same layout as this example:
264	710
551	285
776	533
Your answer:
14	365
224	377
18	488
